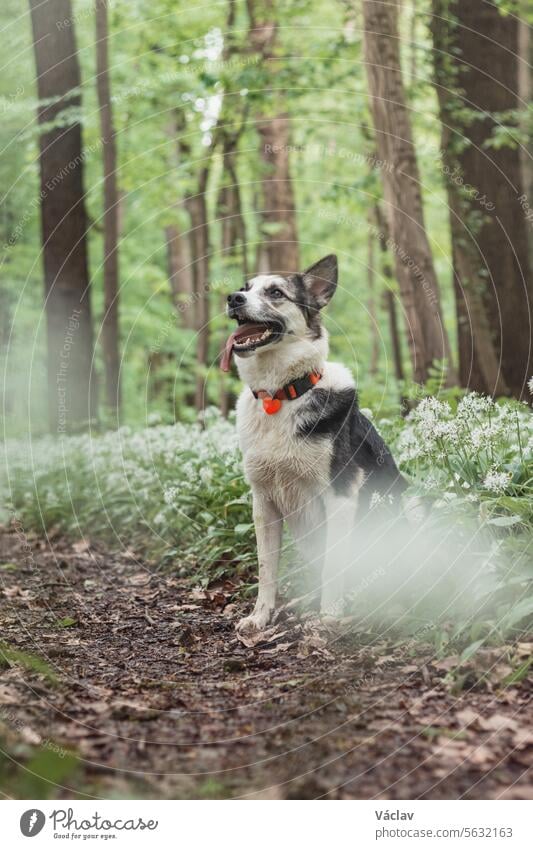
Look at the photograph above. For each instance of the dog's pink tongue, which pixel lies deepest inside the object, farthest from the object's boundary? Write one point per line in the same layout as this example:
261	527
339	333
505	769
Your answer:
225	360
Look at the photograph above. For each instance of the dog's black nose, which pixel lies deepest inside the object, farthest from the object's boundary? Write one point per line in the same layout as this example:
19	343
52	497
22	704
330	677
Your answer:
236	299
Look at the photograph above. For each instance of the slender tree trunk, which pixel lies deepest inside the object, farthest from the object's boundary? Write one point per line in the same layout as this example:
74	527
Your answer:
180	245
260	265
110	330
525	93
233	235
197	207
394	335
419	290
229	209
280	235
180	273
121	212
279	210
390	302
487	182
195	204
372	305
413	48
181	256
71	401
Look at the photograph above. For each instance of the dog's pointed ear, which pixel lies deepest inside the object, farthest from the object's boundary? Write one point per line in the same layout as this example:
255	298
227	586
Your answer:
321	280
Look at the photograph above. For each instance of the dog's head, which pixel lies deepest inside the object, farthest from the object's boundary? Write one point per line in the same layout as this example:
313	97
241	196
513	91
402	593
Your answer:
273	309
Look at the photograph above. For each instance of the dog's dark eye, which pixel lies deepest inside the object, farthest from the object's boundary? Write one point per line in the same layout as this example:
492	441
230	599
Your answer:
276	293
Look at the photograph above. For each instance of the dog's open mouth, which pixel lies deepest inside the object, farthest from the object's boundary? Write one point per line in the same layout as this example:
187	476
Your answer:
247	337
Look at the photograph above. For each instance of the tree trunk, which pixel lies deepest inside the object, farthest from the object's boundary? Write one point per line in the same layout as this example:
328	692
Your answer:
488	184
372	307
280	237
180	247
394	335
390	301
197	207
71	402
229	210
233	233
195	204
413	47
419	290
525	93
279	209
110	330
479	368
180	273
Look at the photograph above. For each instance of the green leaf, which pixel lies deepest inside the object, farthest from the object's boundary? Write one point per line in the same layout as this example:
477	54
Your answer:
519	611
28	661
518	674
49	767
66	622
241	530
470	651
504	521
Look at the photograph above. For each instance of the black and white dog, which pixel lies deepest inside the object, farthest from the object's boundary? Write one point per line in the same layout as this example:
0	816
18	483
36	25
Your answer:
312	459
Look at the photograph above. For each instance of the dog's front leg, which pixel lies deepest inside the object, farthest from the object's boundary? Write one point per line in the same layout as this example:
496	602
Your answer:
268	530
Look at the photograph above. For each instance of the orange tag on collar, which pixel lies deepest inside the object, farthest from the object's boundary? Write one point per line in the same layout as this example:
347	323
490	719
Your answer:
271	406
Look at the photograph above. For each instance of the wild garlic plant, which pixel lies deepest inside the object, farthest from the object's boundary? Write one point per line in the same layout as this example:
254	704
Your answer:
177	492
174	491
482	448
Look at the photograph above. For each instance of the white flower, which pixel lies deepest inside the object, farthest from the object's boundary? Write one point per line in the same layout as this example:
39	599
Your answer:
474	405
445	430
169	495
497	481
430	482
375	499
477	437
206	474
530	385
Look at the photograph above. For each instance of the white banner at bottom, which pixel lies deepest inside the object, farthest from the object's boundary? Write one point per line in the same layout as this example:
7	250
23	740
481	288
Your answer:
267	825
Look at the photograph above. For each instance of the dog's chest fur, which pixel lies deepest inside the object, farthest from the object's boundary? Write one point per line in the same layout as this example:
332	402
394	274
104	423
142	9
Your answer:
286	469
279	460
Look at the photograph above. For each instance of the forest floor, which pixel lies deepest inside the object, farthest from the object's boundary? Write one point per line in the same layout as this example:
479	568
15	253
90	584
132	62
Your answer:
146	686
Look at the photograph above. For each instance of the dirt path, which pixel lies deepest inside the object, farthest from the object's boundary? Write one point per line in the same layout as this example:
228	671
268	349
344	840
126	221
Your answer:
150	689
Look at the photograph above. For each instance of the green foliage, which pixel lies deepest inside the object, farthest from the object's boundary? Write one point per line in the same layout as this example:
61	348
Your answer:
37	773
177	495
167	77
10	656
173	492
472	460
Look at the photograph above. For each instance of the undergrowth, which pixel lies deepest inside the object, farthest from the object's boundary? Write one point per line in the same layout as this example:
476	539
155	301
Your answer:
176	495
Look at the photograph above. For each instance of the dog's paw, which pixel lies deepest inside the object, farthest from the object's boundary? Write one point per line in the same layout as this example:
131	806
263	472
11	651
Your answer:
256	621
